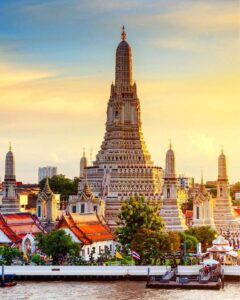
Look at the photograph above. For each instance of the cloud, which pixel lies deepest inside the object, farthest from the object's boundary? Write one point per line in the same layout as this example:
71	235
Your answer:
196	18
13	74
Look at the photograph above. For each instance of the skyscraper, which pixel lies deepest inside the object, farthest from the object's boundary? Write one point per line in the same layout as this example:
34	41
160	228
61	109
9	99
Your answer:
123	165
46	172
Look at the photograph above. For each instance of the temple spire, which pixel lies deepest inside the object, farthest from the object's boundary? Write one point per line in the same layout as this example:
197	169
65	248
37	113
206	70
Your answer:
123	71
123	34
10	146
47	188
202	186
222	166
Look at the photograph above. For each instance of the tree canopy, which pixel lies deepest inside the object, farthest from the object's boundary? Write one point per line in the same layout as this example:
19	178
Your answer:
57	244
204	234
150	245
136	215
61	185
8	254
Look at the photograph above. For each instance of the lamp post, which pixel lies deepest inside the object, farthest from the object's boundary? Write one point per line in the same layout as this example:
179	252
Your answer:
184	251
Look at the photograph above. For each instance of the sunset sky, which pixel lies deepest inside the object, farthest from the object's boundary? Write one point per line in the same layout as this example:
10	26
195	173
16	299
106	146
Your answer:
57	60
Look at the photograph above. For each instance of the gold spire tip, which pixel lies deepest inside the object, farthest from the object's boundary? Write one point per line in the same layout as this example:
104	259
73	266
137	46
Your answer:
170	144
10	146
222	151
123	35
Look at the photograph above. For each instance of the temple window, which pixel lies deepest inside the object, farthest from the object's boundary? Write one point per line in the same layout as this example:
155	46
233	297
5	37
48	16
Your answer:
198	213
82	208
168	193
74	209
39	211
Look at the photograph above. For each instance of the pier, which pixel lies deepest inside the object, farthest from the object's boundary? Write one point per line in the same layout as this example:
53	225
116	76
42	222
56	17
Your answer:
107	272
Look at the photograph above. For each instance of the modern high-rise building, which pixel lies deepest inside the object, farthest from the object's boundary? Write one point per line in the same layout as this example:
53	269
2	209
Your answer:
46	172
123	166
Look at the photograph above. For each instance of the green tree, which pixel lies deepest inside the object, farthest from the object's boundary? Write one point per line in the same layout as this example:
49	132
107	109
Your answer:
137	214
57	244
151	245
204	234
36	259
190	240
77	261
8	254
62	185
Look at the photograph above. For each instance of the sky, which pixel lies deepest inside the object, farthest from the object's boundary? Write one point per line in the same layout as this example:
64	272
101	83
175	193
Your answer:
57	60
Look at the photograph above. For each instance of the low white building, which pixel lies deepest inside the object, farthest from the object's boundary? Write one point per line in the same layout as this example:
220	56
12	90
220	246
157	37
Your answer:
90	231
203	208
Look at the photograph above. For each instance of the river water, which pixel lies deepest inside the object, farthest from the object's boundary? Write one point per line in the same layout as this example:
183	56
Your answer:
117	290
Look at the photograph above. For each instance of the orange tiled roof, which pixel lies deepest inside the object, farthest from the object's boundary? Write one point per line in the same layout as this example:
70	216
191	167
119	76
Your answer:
88	229
188	213
237	210
17	225
8	231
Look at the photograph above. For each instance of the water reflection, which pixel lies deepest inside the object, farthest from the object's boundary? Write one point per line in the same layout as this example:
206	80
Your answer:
119	290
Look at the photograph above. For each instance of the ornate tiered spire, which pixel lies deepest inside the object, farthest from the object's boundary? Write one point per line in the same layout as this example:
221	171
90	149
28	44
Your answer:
222	167
170	163
10	165
123	75
47	189
202	186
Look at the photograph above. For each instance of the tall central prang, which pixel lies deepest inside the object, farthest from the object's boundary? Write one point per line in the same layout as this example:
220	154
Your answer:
123	166
123	142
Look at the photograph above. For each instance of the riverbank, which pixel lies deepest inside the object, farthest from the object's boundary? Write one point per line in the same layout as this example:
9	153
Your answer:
106	272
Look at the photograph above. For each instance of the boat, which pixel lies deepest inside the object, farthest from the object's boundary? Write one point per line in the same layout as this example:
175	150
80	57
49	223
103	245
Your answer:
6	280
211	280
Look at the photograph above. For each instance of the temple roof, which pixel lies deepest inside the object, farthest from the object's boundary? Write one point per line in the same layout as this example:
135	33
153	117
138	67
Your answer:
47	190
16	225
87	228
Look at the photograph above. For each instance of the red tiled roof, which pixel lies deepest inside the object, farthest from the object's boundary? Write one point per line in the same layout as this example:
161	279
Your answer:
188	213
86	230
237	210
8	231
17	225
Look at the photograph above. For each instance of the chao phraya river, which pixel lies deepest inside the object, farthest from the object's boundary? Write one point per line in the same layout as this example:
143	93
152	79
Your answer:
116	290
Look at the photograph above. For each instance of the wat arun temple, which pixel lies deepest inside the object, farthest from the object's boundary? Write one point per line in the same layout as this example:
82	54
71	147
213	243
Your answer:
123	166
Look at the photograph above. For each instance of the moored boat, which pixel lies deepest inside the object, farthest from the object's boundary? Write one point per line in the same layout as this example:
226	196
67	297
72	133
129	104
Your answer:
6	280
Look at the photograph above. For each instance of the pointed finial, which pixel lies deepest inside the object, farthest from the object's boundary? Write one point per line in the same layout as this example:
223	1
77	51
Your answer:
10	146
47	188
222	149
202	186
123	35
170	144
84	154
